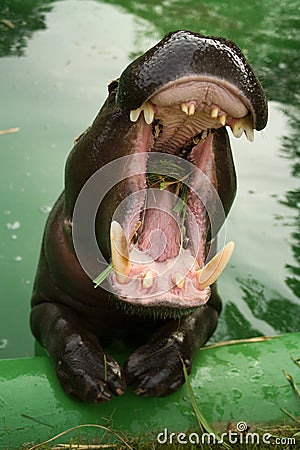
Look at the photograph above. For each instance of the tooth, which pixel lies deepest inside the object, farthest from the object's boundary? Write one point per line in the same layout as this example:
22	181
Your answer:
237	129
248	130
213	269
119	252
148	109
148	112
148	279
188	108
191	109
184	108
244	124
135	114
214	113
222	119
178	279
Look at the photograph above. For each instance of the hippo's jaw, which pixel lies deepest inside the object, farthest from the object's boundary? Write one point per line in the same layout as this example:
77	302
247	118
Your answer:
155	263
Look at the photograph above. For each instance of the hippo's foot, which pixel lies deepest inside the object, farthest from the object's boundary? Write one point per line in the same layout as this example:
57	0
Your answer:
156	369
87	373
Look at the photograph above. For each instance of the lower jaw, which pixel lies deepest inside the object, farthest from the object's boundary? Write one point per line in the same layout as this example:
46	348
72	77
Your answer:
177	283
168	282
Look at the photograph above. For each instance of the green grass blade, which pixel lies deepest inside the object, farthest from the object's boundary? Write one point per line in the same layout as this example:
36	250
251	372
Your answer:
102	276
203	424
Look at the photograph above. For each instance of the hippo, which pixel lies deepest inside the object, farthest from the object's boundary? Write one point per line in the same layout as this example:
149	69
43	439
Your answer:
159	296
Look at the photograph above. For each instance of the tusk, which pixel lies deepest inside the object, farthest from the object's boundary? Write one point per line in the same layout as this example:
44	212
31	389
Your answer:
213	269
119	252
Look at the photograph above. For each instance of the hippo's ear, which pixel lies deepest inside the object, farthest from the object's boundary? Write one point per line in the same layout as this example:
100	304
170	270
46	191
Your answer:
113	86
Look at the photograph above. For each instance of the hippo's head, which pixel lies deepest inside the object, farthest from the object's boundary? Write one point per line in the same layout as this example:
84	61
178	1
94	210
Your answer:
174	103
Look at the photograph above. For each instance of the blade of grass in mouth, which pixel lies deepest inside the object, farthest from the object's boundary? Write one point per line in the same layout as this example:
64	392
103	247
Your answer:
103	275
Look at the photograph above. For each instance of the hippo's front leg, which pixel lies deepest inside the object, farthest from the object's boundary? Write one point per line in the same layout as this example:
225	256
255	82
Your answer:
85	371
156	369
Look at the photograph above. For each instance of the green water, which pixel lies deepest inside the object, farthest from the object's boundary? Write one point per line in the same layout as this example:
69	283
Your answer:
55	65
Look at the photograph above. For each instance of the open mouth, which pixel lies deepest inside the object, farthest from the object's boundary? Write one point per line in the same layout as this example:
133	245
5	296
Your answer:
159	247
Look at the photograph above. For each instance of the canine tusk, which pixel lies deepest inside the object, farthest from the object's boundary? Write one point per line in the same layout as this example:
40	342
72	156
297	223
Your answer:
119	252
213	269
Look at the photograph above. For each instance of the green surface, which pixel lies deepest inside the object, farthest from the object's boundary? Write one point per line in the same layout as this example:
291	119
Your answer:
242	382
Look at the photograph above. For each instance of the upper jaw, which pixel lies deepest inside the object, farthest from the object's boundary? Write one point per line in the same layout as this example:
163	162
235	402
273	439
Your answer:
185	54
207	102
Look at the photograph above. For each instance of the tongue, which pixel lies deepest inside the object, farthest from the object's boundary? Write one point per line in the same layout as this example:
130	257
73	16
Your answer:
161	234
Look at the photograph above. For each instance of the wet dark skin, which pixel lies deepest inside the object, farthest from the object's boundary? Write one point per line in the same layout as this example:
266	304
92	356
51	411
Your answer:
73	320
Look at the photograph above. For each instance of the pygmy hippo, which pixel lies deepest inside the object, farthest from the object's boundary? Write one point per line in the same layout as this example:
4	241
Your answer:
160	146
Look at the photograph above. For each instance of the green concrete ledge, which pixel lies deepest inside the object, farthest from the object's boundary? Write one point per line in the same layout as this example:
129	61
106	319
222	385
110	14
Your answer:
240	382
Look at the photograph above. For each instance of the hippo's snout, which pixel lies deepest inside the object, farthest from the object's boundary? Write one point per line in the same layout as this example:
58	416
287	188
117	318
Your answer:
194	56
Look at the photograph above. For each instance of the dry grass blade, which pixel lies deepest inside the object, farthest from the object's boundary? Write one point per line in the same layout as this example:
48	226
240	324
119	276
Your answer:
291	380
34	419
290	415
79	427
83	447
240	341
9	130
8	23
